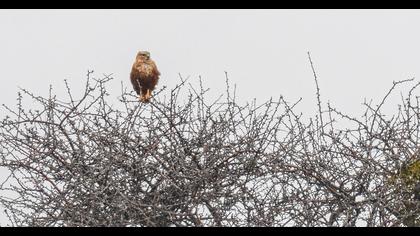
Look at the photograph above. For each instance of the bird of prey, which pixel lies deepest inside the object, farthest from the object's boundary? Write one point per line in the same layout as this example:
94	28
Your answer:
144	76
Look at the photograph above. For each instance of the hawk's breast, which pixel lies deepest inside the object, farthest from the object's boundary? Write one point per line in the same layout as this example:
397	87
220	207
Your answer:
145	70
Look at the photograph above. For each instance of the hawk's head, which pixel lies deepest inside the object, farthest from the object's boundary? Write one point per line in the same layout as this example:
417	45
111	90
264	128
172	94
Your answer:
143	55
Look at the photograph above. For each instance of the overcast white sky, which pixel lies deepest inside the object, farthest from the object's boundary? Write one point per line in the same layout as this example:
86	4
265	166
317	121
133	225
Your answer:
357	53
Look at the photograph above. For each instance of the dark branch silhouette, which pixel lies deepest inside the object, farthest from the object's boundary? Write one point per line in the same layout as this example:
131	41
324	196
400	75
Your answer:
195	162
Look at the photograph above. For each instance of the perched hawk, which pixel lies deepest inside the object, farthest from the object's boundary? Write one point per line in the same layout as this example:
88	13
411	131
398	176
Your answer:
144	76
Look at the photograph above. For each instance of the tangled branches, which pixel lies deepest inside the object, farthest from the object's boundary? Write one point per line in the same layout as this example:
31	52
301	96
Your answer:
192	162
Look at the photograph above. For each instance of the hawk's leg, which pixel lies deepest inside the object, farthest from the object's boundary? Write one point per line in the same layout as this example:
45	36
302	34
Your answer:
148	94
143	95
142	98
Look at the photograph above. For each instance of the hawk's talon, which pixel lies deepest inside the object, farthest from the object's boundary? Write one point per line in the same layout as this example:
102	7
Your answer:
142	98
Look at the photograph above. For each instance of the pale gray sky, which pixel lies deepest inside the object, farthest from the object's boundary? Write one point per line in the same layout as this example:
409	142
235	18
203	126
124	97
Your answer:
357	53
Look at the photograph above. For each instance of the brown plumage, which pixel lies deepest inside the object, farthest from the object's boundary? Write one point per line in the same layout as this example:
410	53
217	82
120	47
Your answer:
144	76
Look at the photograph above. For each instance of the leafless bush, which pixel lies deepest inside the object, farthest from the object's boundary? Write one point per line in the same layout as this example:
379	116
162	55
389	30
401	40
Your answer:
194	162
